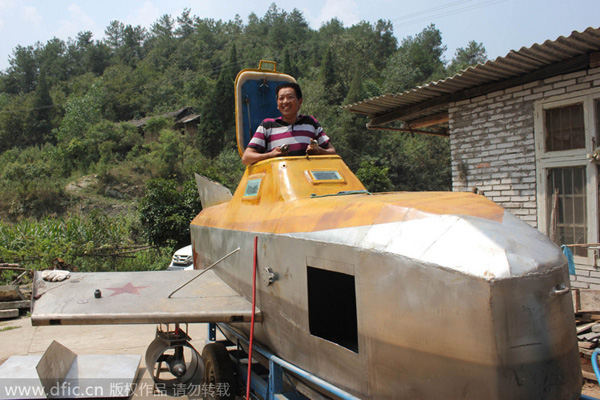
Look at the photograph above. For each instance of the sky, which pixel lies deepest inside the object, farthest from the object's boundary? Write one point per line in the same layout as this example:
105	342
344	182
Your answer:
500	25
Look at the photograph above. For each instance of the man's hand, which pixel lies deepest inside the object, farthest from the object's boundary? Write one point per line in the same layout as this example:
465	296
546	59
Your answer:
55	275
252	156
313	148
279	151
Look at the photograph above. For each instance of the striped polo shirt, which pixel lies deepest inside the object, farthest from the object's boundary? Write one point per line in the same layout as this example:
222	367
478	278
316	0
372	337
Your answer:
275	132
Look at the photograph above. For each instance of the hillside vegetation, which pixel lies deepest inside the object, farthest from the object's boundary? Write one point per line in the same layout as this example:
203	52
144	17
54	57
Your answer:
78	181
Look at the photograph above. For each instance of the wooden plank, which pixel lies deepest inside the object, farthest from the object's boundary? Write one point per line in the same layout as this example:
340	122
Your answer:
589	375
585	327
589	336
575	297
589	316
589	300
595	59
429	120
10	293
587	345
586	353
6	305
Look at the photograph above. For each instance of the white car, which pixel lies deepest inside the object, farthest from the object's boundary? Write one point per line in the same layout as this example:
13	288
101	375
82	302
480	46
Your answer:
182	260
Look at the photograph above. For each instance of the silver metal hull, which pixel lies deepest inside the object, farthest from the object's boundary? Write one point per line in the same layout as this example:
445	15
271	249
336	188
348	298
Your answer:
424	330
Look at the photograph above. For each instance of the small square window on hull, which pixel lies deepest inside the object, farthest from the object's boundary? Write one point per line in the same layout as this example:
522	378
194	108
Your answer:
332	307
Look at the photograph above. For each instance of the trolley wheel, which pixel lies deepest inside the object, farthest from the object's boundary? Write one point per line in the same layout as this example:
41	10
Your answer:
219	373
174	368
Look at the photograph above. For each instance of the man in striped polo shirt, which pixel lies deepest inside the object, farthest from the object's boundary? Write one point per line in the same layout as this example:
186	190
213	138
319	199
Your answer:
290	134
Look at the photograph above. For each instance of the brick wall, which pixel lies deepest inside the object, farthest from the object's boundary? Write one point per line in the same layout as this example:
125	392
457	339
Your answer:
493	147
492	141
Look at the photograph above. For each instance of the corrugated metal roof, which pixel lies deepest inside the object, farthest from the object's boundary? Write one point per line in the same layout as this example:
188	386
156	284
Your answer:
514	64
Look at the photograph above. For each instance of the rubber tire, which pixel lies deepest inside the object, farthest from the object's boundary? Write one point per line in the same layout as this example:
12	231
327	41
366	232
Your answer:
219	370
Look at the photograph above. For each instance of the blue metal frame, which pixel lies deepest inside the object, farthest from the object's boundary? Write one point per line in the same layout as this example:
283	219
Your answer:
274	385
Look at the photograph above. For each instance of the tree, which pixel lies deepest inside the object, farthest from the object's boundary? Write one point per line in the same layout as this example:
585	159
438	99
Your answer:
53	58
385	43
80	114
224	97
42	112
332	87
124	99
165	213
163	27
13	122
416	162
126	42
375	178
22	73
465	57
288	66
210	130
185	24
170	151
417	61
70	95
89	55
114	34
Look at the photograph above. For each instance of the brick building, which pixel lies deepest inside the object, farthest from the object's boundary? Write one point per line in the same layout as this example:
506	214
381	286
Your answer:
524	131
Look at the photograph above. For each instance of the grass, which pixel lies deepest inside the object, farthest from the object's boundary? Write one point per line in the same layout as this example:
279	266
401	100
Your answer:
9	328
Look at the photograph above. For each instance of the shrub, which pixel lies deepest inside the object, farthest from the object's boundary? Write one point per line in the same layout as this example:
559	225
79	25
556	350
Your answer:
93	243
374	178
165	213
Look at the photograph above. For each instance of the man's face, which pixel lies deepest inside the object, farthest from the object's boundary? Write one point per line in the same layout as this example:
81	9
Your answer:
288	104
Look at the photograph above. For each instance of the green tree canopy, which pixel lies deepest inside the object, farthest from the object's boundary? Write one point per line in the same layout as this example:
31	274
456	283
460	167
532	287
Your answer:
417	61
464	57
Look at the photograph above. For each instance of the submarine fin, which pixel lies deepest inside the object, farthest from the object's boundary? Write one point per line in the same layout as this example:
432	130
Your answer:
211	193
138	297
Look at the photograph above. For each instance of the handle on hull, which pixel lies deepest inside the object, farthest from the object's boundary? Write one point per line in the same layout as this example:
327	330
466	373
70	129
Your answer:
560	290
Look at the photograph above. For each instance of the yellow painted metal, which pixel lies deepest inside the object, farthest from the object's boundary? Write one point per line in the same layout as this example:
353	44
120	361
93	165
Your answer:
280	195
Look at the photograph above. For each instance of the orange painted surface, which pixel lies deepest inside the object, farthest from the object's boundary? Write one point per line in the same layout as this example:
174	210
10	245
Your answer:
284	204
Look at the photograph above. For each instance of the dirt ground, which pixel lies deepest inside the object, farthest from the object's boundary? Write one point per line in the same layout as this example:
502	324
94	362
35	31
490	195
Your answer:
591	388
18	337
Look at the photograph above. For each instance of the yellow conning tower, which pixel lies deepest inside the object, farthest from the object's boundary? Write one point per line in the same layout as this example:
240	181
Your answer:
291	178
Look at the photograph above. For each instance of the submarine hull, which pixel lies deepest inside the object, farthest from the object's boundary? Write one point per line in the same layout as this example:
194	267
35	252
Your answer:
383	325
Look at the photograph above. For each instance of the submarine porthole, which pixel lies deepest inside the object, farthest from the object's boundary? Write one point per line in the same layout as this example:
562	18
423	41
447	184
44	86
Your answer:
332	307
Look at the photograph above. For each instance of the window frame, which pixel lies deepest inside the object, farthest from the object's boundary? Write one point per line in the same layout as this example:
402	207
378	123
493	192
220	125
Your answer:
569	158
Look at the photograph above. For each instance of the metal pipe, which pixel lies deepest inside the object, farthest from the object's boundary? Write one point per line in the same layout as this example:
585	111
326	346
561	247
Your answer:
405	130
252	320
595	363
312	378
203	271
296	370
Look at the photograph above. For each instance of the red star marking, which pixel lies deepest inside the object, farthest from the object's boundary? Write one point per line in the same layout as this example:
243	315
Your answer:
129	288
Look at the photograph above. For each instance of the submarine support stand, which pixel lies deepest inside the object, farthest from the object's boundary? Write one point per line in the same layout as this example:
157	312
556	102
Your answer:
274	383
